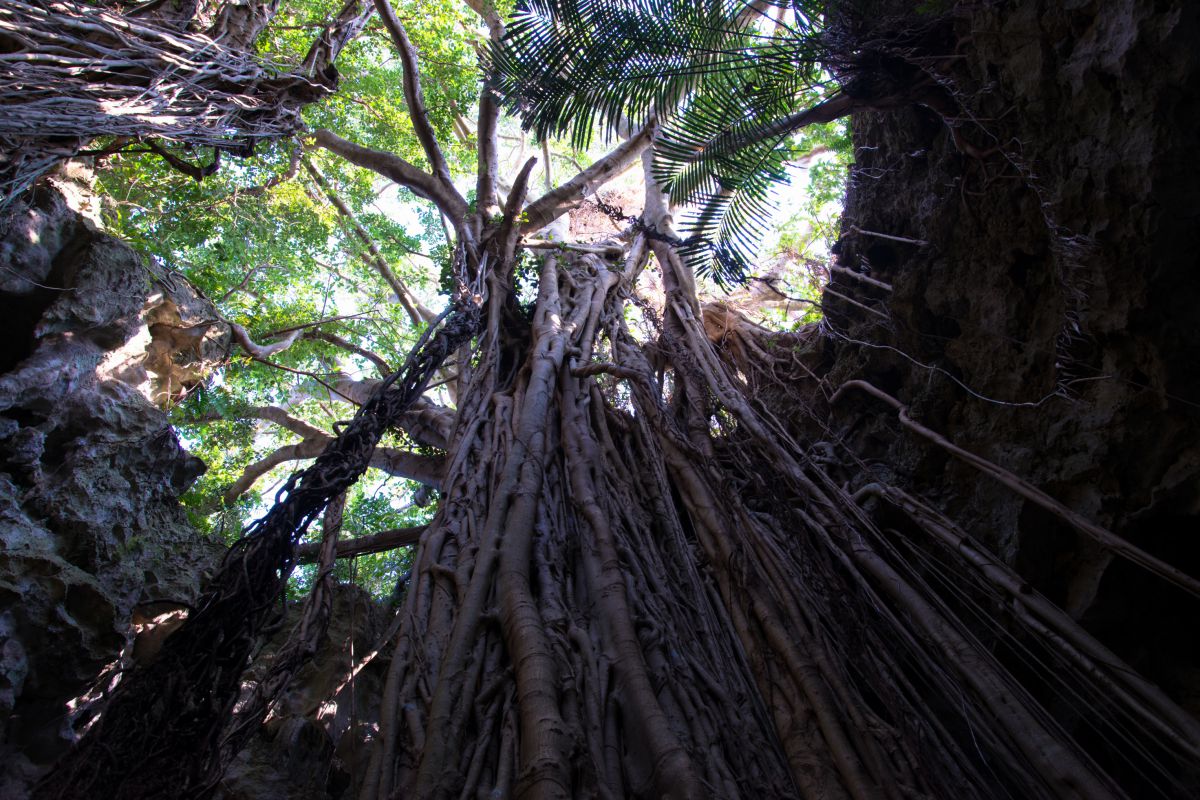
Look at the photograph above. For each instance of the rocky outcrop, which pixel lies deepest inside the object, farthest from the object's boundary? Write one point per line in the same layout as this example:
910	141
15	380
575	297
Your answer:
90	470
323	730
1019	269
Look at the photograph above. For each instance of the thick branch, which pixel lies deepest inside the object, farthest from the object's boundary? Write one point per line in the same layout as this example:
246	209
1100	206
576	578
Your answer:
546	209
393	461
414	466
375	543
396	169
425	422
415	98
283	420
262	351
428	423
310	448
510	231
489	159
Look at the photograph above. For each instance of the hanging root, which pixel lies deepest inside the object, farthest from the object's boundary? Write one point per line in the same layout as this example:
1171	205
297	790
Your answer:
161	733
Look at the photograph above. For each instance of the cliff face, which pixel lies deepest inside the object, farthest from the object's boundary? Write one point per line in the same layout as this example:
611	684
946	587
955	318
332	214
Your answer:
90	470
1022	257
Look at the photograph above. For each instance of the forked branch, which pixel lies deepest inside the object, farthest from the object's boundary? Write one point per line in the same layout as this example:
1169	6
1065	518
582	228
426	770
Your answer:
555	203
395	168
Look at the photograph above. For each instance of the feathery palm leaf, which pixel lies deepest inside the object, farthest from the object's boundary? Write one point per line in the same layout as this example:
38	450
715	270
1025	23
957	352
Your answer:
729	77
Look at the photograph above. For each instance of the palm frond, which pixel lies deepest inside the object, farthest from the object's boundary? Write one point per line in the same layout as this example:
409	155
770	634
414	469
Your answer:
726	153
569	65
727	86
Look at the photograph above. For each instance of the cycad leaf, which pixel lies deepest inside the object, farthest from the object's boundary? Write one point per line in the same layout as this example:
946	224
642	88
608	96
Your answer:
723	74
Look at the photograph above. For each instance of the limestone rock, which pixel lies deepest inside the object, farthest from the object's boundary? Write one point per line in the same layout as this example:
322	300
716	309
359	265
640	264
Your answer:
90	470
1042	266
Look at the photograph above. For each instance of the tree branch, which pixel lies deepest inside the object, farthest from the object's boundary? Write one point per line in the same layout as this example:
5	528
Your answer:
546	209
426	422
310	448
414	466
326	47
244	282
191	170
415	98
416	312
375	543
337	341
396	169
393	461
284	420
486	9
488	166
510	231
262	351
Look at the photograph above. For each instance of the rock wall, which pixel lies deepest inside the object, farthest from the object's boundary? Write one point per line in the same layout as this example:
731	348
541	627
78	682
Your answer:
1019	267
90	470
324	730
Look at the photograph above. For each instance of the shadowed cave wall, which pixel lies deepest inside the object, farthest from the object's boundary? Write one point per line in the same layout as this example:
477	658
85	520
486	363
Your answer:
1055	275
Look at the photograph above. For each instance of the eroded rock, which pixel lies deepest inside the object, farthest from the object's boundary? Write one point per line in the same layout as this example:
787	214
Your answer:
90	470
1042	265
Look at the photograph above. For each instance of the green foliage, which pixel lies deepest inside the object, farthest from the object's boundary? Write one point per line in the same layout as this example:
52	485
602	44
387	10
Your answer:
369	107
262	241
271	252
270	262
827	154
571	66
732	75
375	504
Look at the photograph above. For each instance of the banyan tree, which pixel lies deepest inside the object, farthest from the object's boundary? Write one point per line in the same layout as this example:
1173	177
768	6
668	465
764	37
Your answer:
659	566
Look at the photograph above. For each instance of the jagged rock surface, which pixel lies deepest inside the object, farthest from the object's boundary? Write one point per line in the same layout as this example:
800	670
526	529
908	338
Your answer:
90	470
323	730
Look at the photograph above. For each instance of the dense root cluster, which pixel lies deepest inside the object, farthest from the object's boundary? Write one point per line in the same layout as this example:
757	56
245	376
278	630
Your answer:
646	579
612	603
640	583
72	71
